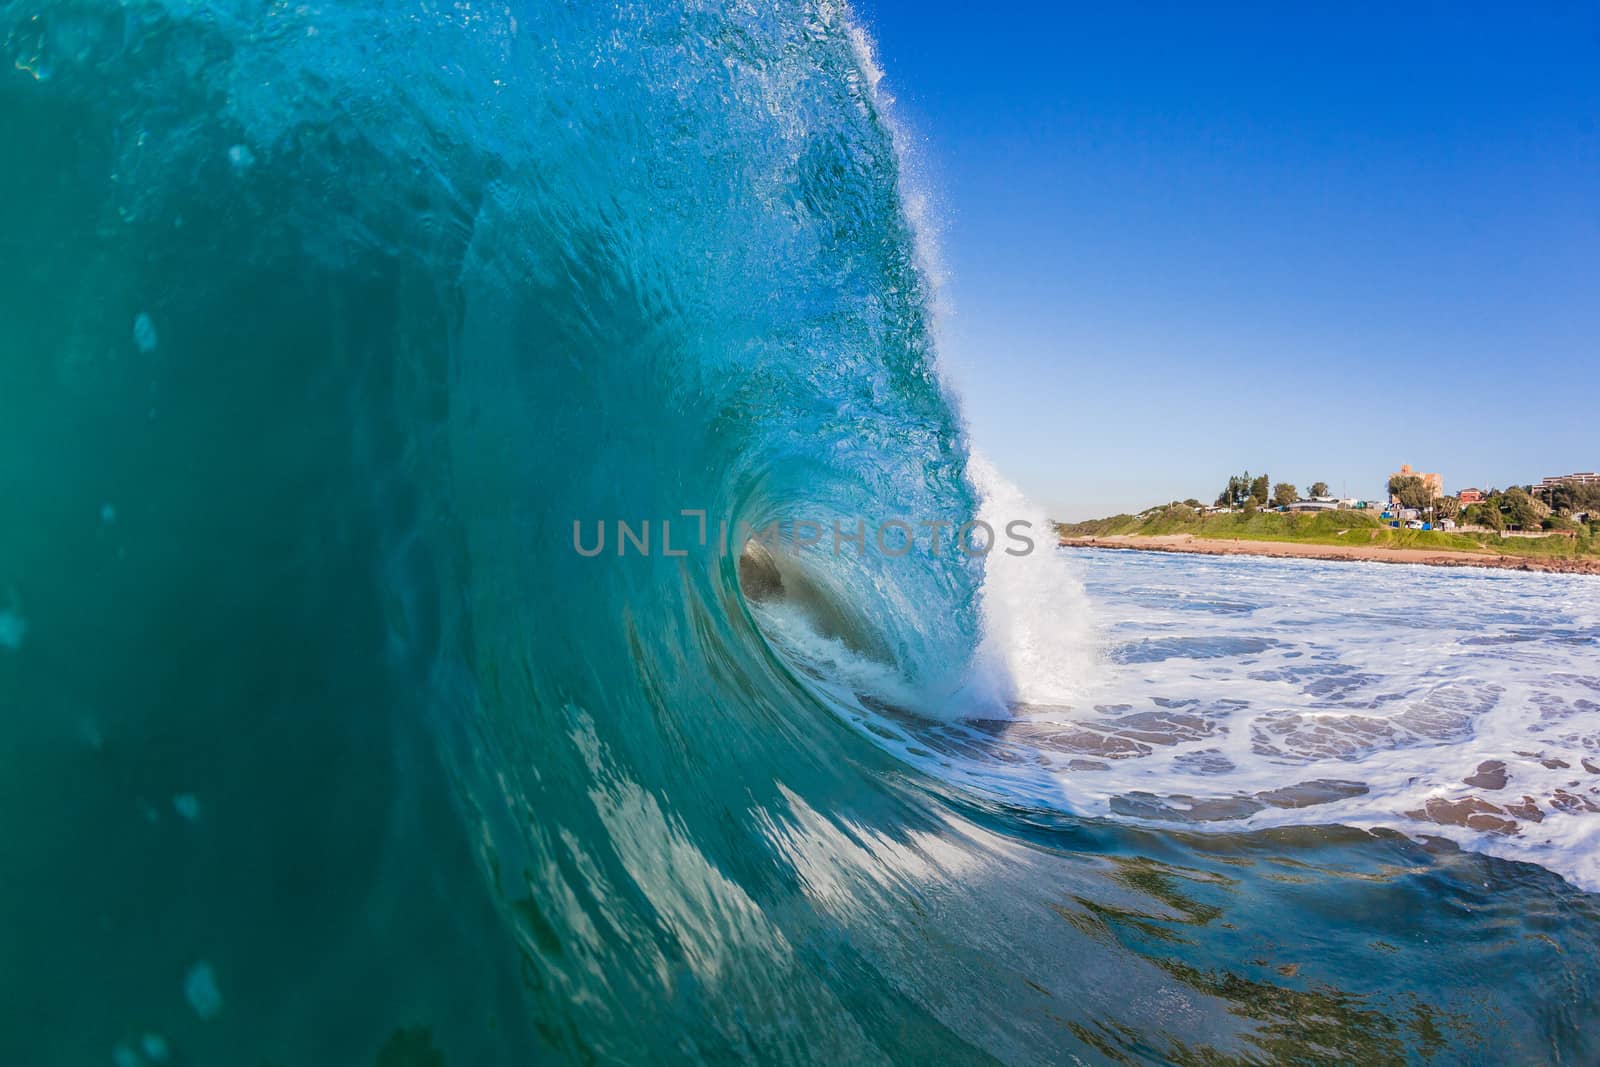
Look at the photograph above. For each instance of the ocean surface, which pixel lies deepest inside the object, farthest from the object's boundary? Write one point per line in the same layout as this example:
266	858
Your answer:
324	331
1245	692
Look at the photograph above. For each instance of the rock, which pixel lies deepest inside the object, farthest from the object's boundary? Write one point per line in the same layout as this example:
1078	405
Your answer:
1316	791
1183	808
1491	774
1473	813
1526	809
1571	803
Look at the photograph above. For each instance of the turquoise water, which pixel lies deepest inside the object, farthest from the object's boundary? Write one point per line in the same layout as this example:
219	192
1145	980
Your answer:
319	328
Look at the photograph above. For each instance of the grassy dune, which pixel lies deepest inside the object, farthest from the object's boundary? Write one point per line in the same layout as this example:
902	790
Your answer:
1328	528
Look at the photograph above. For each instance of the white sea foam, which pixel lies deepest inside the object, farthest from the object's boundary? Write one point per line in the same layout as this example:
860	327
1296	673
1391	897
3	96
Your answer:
838	669
1037	646
1239	693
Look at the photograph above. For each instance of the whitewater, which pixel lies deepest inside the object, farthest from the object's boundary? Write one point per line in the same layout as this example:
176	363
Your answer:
1247	692
320	327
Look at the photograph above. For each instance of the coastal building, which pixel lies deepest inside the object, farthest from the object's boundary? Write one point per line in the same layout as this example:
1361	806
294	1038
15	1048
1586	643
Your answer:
1471	496
1314	505
1434	482
1582	478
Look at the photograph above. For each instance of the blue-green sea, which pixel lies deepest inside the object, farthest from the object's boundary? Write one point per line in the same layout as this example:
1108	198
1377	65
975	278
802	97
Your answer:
322	324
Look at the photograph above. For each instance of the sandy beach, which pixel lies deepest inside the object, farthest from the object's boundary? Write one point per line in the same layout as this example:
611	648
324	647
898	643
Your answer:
1434	557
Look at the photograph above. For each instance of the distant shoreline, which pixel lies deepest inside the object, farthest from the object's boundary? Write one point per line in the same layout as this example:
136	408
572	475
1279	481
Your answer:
1433	557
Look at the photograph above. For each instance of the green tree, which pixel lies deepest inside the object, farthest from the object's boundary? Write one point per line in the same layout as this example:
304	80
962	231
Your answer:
1261	490
1236	492
1284	494
1522	510
1319	489
1570	497
1411	491
1485	514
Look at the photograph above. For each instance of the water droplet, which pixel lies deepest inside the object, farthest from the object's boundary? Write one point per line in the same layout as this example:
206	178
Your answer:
200	988
144	333
12	629
89	730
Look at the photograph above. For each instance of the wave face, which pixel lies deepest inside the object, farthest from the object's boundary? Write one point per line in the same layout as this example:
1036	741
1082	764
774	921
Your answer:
322	327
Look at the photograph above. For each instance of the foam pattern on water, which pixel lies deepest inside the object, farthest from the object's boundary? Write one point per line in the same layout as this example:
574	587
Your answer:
1242	693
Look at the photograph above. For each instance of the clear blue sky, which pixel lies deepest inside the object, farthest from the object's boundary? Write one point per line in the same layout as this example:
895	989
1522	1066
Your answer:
1181	243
